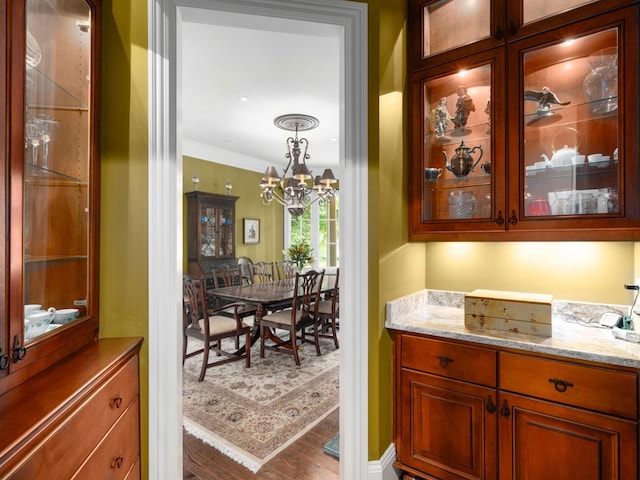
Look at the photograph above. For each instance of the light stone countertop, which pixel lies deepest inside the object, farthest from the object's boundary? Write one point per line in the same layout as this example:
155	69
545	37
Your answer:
576	332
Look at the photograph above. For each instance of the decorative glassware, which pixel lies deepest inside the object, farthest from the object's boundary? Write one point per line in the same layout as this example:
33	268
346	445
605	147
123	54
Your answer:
32	136
462	204
48	127
601	85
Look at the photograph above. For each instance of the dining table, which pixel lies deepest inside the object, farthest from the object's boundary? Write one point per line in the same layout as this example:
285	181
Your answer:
266	296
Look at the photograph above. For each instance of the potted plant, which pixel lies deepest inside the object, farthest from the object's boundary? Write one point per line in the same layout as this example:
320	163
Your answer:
299	254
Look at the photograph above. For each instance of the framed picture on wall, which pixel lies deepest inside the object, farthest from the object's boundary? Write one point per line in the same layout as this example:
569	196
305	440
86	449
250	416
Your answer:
251	231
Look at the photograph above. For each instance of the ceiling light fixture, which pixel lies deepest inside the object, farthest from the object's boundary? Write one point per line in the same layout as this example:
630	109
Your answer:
293	192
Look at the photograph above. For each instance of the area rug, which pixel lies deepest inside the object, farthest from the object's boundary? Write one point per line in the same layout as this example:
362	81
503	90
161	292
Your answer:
252	414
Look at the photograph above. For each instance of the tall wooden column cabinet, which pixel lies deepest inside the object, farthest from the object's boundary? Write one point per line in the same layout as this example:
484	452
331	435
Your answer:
69	403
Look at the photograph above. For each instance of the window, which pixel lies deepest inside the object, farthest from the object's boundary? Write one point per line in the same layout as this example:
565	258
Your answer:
318	226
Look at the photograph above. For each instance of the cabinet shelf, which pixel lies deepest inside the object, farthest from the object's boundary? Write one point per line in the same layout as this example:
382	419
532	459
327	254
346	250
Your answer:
50	94
570	114
37	175
34	259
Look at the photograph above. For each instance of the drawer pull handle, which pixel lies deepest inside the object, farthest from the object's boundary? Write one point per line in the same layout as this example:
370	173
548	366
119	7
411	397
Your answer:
116	401
491	407
4	361
444	361
117	462
18	352
504	410
560	385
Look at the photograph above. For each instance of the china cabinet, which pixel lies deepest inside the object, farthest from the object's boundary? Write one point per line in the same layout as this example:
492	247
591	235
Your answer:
523	120
59	383
52	178
210	231
470	411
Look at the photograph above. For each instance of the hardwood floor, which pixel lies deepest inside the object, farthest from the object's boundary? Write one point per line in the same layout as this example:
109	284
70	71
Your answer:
304	460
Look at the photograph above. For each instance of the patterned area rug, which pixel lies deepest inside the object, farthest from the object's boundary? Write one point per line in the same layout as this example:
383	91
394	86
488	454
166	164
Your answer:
251	414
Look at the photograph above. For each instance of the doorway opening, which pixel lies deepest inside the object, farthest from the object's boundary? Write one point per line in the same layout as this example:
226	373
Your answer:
165	224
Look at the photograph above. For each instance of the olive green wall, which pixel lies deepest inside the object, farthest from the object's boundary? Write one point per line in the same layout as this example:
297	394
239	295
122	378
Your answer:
580	271
213	177
124	206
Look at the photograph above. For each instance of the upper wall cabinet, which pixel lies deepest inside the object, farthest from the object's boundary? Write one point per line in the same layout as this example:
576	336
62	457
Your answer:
524	120
52	166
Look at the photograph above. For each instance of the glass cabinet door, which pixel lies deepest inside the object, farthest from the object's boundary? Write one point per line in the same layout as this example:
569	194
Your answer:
447	24
571	127
533	10
458	145
56	203
216	232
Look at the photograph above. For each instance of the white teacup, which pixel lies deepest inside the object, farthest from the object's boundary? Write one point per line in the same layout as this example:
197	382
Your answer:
604	161
37	322
595	158
31	307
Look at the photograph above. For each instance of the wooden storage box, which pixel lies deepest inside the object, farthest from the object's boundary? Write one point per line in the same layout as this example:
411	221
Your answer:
510	311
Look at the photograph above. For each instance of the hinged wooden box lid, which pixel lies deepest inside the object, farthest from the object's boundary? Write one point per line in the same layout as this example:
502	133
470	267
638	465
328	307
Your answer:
510	311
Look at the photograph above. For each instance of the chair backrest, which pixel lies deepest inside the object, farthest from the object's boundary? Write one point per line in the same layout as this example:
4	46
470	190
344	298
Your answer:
308	287
286	270
245	268
262	272
193	302
227	275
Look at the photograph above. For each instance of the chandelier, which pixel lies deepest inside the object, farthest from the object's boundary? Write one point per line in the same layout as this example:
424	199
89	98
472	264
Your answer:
295	191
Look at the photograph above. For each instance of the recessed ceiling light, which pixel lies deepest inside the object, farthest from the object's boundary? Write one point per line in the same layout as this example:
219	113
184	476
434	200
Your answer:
243	98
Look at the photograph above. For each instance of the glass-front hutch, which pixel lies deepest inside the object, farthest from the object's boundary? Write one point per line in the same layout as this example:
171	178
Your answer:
50	73
524	120
211	227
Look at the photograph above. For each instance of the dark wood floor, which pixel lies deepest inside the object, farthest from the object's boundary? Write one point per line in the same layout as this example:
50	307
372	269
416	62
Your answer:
304	460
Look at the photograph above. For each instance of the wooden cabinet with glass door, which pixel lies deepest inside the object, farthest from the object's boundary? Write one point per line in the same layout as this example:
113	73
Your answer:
507	128
52	186
210	231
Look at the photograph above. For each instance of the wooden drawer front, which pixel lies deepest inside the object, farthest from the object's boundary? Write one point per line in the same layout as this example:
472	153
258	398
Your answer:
64	451
600	389
117	452
453	360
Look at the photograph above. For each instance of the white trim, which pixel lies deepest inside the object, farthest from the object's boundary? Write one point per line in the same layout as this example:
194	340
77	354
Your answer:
165	202
383	469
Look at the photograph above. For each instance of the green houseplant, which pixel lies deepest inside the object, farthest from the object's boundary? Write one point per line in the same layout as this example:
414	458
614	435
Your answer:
299	254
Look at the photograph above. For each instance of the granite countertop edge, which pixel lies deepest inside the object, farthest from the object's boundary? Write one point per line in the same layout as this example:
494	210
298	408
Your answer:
576	332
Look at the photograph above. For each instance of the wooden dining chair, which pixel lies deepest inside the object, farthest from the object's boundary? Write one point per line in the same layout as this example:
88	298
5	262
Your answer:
300	316
262	272
245	269
286	270
328	313
227	275
211	327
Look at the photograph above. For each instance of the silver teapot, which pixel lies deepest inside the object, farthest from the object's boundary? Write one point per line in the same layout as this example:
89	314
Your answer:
462	163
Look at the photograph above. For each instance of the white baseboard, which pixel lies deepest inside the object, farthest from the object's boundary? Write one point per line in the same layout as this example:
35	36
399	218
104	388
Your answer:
383	469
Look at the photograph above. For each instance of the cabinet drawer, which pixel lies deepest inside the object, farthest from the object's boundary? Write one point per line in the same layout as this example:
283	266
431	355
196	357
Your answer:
65	450
117	452
600	389
453	360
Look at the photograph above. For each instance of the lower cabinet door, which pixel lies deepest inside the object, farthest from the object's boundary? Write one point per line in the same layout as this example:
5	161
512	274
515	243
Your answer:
543	440
448	428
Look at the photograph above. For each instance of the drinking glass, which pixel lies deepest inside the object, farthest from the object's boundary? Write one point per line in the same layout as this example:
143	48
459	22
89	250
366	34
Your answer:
48	127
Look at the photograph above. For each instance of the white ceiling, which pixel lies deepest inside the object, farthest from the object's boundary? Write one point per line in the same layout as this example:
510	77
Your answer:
240	72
